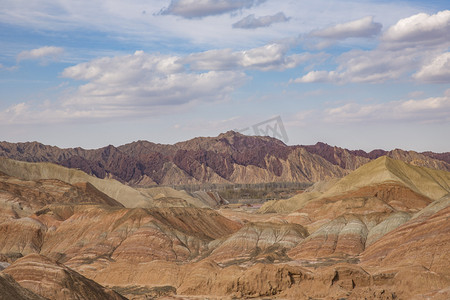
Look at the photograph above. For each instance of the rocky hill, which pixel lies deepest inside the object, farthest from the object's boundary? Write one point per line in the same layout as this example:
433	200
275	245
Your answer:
53	280
228	158
384	178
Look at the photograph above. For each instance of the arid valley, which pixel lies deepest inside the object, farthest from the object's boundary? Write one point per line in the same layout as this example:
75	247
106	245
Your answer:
223	218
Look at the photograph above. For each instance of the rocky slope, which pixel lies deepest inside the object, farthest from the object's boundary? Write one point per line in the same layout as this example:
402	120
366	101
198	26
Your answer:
266	242
359	209
385	179
10	289
37	171
23	196
228	158
111	188
415	255
52	280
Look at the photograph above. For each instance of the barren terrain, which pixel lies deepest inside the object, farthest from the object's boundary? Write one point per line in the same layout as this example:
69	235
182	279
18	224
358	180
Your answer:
370	227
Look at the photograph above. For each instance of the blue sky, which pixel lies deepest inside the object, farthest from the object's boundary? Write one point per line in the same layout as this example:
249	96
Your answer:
356	74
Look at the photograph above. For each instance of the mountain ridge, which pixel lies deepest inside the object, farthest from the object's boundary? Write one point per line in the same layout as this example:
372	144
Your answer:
230	157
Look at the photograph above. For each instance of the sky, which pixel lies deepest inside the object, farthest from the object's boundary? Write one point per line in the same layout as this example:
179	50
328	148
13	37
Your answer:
355	74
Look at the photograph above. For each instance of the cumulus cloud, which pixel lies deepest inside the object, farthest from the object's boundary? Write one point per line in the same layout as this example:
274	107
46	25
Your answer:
434	109
419	30
437	71
141	84
422	36
364	27
251	22
44	54
136	85
318	76
268	57
203	8
373	66
142	81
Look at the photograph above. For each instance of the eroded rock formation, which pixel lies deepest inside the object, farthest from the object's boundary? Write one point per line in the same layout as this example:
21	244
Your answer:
380	232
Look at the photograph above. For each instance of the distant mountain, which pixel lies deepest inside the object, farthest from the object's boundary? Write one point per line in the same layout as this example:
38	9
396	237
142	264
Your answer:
228	158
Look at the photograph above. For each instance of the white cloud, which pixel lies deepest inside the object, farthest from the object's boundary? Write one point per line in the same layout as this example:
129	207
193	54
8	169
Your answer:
429	110
364	27
373	66
144	80
318	76
429	104
268	57
422	36
137	85
12	68
203	8
251	22
43	53
419	30
223	59
18	109
437	71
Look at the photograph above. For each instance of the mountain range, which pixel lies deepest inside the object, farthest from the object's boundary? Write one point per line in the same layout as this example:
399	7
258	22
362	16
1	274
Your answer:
228	158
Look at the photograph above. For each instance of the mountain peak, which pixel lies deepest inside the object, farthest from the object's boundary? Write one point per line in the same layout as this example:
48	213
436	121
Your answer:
230	133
